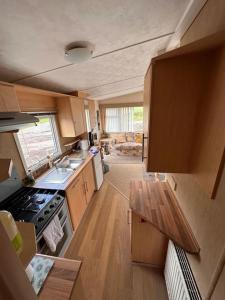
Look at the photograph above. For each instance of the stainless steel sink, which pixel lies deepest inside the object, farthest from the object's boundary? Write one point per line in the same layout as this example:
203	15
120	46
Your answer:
59	175
75	163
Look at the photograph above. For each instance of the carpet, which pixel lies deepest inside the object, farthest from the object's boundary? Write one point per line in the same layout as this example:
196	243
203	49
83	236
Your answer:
120	175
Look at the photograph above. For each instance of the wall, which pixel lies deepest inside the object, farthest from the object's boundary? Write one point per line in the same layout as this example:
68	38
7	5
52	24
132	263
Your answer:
130	98
206	216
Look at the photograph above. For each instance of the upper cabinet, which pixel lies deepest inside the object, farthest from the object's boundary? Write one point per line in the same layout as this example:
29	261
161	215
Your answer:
91	107
8	98
184	99
71	116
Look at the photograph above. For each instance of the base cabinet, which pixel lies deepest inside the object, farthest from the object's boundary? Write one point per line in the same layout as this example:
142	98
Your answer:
76	200
148	244
89	181
79	193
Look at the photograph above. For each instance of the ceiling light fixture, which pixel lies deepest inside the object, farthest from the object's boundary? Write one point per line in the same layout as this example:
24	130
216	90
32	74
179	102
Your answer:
78	53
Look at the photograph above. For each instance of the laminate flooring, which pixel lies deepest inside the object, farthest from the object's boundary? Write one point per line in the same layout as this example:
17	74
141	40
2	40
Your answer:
102	242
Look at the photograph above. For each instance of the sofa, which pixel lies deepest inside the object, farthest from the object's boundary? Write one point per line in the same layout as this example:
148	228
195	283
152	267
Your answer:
129	143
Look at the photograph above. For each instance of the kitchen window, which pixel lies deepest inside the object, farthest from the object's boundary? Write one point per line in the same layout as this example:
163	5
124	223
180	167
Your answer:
38	141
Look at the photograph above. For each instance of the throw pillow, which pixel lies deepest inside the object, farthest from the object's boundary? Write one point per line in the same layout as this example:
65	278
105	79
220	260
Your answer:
138	138
130	137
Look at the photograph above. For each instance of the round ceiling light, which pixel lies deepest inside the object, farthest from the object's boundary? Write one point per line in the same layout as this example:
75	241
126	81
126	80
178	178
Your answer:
78	54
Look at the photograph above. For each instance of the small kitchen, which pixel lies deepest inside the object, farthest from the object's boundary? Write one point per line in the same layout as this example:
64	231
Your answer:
112	150
47	191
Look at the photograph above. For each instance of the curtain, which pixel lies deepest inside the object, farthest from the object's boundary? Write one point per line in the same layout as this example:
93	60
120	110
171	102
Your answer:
119	119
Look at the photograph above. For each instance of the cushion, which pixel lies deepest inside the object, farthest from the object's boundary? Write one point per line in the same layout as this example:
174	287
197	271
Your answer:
138	137
130	136
119	137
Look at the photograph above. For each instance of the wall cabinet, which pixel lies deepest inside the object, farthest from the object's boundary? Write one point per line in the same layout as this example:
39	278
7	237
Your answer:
79	193
184	99
71	116
91	107
8	98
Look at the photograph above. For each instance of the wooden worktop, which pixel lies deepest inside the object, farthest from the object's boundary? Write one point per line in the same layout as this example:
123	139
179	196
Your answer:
156	204
41	184
60	280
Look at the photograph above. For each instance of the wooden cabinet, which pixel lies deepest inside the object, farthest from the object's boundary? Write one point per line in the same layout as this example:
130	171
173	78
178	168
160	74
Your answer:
91	107
184	104
76	200
148	245
8	98
71	116
89	181
80	192
146	109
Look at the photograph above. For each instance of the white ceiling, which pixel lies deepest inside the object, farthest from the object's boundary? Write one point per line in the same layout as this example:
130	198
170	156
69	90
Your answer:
125	34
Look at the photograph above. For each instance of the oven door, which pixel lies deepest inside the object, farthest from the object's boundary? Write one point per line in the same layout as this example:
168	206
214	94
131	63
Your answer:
65	222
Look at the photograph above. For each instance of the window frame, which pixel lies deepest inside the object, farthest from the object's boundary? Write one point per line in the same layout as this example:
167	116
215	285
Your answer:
56	139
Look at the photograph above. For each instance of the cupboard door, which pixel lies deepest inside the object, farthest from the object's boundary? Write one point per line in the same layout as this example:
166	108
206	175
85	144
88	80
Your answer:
147	102
89	180
148	245
78	115
65	118
8	99
91	106
76	200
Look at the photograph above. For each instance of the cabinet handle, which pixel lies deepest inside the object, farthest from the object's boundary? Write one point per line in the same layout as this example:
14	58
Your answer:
86	186
143	146
128	217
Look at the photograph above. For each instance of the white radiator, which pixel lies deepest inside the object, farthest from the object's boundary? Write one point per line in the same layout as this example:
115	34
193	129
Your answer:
180	281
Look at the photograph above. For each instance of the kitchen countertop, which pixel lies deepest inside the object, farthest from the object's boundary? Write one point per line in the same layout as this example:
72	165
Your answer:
40	183
61	279
156	204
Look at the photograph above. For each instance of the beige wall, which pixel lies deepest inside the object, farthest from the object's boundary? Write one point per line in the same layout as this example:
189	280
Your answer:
206	216
130	98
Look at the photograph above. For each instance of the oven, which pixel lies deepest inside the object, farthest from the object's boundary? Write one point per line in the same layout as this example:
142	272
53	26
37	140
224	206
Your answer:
40	206
64	218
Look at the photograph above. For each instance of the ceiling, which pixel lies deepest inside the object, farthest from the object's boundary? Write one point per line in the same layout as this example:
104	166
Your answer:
125	35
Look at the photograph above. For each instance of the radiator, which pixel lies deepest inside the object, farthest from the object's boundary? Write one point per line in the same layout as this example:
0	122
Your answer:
179	278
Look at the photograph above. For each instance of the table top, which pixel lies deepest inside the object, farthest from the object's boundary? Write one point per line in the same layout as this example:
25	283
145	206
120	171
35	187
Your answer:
156	203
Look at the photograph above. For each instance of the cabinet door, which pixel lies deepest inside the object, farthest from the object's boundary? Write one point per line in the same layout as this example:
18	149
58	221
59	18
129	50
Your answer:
89	180
148	245
78	115
76	200
91	106
147	101
66	123
8	99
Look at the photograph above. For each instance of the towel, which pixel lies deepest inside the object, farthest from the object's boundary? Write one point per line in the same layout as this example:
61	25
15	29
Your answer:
53	234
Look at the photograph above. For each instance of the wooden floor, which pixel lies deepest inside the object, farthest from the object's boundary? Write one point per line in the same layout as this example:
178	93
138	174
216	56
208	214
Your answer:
102	242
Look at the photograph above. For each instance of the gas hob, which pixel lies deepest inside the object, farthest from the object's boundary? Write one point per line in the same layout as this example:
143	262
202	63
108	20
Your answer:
38	206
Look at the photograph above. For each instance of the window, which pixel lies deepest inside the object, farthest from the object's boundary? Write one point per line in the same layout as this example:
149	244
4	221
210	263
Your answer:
37	141
124	119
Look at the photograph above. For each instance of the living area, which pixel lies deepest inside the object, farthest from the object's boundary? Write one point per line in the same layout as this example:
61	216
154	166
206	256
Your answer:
122	129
